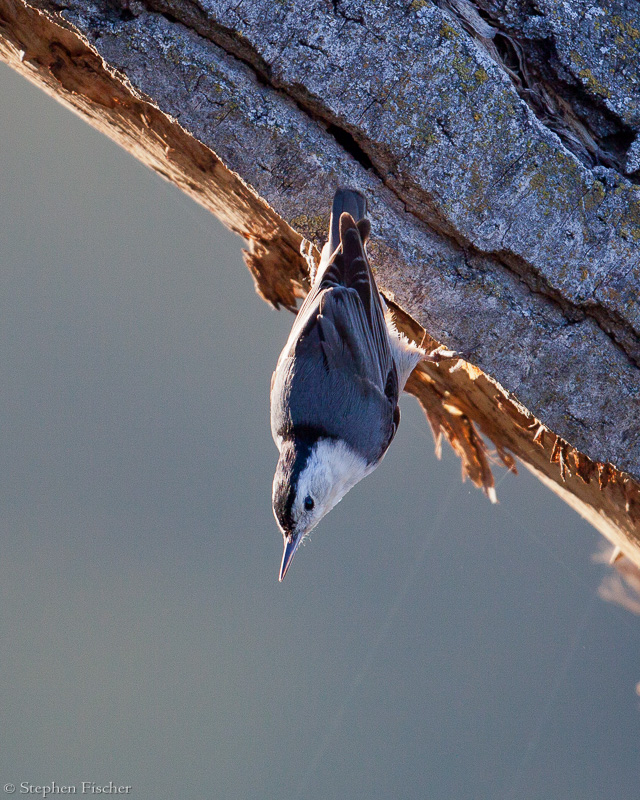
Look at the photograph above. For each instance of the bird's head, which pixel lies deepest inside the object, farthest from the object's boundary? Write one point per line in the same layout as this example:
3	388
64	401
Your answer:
311	477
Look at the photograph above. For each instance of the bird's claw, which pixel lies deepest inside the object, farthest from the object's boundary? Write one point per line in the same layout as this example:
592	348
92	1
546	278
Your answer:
442	354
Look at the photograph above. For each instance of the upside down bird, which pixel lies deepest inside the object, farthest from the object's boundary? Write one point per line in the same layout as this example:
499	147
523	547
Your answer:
335	390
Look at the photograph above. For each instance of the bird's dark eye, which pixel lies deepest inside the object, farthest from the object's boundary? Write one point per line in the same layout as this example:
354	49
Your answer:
308	503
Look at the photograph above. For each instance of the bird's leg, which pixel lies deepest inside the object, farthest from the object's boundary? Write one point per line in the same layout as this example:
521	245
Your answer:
440	353
444	354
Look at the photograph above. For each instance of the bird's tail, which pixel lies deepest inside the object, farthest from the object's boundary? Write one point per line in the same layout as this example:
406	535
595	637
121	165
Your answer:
349	201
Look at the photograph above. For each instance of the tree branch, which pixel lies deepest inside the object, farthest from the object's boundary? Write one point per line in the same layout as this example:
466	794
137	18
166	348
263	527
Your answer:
502	240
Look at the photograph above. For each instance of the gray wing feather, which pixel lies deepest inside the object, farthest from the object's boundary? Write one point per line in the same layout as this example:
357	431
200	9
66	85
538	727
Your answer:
330	379
362	352
348	295
335	367
361	315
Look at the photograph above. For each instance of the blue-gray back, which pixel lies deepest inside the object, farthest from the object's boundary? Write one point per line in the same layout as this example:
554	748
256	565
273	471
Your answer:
337	374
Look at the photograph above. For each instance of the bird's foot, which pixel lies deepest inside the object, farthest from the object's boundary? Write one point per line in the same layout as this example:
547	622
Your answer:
442	354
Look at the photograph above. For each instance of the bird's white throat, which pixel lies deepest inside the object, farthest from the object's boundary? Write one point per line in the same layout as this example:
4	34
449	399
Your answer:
332	469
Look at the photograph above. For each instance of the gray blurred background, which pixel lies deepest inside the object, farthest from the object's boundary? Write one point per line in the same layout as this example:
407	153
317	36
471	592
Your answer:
424	644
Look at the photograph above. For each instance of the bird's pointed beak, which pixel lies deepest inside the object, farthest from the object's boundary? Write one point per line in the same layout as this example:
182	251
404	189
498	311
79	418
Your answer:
291	543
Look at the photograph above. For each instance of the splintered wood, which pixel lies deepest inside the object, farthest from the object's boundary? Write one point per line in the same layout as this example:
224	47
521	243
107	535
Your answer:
466	407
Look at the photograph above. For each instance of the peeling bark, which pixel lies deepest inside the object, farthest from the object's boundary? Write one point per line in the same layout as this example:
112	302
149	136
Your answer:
497	146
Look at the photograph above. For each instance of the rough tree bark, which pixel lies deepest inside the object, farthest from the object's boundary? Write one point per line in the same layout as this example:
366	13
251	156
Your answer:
498	142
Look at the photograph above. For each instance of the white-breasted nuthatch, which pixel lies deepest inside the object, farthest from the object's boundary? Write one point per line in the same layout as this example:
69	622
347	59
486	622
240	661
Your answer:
335	390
